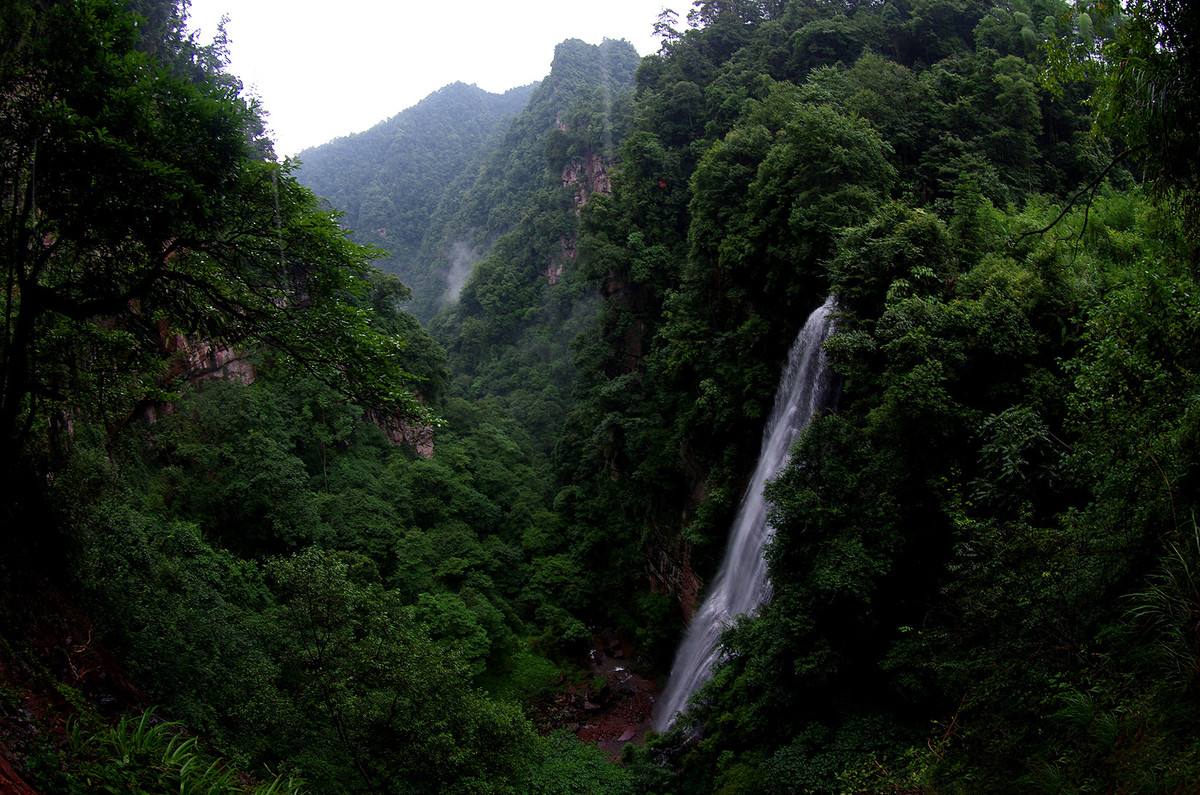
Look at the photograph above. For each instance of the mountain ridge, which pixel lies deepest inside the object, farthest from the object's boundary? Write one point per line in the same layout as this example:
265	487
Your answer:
388	179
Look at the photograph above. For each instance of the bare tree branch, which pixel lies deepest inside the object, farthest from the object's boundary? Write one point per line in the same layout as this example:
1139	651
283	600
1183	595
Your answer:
1089	190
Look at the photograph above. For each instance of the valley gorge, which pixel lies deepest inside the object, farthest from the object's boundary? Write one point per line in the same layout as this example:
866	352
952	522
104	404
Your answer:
806	406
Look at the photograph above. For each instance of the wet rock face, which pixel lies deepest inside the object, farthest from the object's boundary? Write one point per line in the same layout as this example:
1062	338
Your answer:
611	708
558	263
193	361
419	438
587	175
671	572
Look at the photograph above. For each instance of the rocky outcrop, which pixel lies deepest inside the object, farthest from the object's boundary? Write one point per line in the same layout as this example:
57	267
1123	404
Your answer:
558	263
191	362
587	175
195	361
670	570
418	438
201	360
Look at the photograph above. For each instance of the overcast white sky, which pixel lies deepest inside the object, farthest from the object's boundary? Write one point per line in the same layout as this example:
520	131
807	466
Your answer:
326	69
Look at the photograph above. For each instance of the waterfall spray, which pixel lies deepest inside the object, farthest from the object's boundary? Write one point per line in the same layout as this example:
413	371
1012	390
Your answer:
741	584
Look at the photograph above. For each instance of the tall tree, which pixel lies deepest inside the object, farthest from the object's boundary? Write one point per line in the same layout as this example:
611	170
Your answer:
138	202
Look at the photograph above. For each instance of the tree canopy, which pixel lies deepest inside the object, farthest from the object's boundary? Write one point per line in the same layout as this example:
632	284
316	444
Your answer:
981	551
141	203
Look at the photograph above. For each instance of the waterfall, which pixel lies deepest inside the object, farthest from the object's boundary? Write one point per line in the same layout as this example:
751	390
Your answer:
741	584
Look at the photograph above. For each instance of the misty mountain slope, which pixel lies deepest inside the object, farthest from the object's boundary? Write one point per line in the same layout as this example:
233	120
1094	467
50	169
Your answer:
389	180
505	253
578	103
489	240
519	164
495	263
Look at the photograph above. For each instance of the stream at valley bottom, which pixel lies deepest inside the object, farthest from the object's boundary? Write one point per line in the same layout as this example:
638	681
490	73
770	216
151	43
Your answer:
613	706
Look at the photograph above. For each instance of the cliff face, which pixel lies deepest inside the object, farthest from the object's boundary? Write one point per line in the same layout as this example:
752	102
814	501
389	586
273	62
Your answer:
670	571
195	361
201	360
401	432
192	362
563	138
584	176
587	175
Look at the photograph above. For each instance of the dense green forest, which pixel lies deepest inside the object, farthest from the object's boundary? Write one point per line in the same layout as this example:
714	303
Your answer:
357	485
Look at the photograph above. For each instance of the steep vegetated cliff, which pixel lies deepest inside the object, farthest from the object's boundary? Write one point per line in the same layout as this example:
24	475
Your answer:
495	263
509	333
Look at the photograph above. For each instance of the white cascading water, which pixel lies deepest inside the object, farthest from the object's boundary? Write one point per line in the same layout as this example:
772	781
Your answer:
741	584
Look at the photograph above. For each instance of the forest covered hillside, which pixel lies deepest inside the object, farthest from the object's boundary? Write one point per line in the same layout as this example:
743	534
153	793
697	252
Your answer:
390	180
421	495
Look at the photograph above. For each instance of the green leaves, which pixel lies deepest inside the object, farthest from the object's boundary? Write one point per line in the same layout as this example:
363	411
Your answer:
399	707
141	206
147	755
